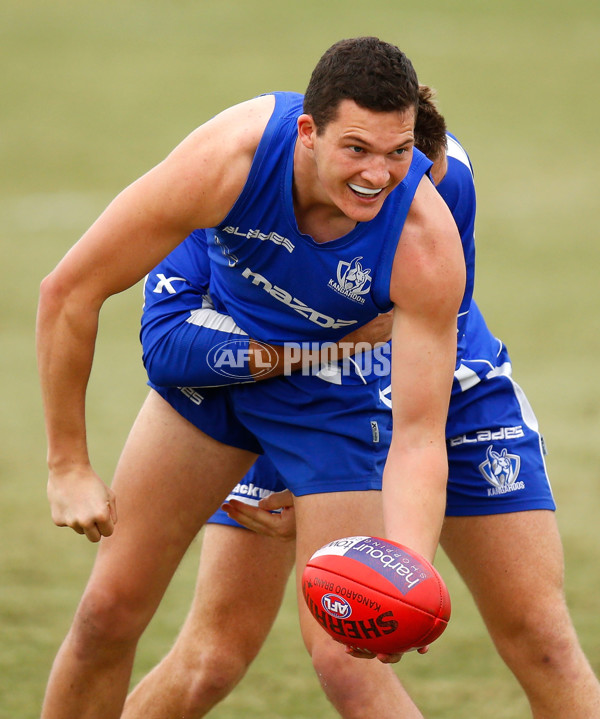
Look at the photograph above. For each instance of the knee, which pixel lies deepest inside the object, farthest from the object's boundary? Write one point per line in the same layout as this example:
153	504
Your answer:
540	635
327	653
105	620
209	677
335	669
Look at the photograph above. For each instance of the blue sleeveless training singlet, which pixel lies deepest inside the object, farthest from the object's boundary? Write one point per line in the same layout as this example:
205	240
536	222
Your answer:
277	283
492	409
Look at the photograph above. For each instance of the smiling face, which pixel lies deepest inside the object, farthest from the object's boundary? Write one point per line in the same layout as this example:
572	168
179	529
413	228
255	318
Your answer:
359	157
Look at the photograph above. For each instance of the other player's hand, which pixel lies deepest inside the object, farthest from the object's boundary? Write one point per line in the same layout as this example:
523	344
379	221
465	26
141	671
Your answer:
374	333
274	517
79	499
277	500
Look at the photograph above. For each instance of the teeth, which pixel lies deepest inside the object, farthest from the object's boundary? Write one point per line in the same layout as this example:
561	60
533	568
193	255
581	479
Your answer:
364	190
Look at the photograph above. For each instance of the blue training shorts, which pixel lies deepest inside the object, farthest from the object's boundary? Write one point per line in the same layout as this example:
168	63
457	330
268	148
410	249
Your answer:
495	452
320	436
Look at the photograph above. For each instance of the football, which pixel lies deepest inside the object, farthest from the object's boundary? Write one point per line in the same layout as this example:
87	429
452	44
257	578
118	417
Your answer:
376	595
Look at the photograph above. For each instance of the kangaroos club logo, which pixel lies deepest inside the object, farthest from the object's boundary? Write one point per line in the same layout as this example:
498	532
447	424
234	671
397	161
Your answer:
352	280
500	468
230	359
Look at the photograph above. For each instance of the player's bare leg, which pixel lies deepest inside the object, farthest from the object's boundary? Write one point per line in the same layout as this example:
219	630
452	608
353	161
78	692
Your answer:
230	617
170	479
525	610
357	688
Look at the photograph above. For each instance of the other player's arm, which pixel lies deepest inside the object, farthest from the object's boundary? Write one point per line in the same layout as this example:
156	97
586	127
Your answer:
363	339
428	281
180	357
194	186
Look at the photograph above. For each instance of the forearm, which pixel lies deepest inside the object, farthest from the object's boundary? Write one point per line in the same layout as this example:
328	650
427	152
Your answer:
65	338
188	356
414	496
212	351
67	326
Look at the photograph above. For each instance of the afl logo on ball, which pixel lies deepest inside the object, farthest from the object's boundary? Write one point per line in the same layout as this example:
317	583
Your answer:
336	606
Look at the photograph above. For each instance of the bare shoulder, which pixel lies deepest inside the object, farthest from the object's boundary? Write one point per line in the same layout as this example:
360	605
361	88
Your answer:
240	126
211	165
429	265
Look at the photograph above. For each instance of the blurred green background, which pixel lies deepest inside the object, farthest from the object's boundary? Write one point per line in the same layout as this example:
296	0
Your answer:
93	94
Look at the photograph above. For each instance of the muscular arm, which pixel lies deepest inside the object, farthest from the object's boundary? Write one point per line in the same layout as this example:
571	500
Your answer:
194	186
428	281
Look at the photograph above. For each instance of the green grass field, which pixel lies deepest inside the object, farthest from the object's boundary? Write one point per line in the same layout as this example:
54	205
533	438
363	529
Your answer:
93	94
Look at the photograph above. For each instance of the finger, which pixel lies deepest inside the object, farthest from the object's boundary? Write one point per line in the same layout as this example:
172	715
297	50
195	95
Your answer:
95	528
423	650
249	510
286	524
93	533
242	509
389	658
106	522
237	512
72	524
359	653
258	520
277	500
100	524
105	528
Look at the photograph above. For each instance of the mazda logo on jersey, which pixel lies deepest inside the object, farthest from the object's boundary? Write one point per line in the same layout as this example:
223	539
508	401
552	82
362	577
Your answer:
294	303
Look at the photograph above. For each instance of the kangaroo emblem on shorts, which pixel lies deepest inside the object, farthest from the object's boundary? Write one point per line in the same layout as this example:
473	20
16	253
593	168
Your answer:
500	468
352	278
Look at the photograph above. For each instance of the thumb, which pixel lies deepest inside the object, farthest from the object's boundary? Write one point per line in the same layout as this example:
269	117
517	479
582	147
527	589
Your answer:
112	504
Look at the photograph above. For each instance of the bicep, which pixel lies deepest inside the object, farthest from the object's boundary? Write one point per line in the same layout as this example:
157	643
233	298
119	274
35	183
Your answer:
428	283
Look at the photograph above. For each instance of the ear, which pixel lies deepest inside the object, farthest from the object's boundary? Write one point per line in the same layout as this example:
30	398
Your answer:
307	130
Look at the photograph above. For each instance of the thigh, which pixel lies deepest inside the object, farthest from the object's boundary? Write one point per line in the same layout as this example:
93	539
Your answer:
261	481
170	478
241	582
512	564
321	518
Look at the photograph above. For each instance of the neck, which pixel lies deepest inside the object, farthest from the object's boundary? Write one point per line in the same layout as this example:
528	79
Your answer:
439	169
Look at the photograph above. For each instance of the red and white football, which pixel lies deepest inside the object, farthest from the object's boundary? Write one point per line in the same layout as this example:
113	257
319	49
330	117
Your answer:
374	594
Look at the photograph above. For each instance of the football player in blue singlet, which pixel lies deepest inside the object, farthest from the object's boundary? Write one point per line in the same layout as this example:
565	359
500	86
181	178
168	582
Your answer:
499	505
345	171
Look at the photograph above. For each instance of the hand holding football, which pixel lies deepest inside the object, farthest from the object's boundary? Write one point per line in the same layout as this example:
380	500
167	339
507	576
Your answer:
377	595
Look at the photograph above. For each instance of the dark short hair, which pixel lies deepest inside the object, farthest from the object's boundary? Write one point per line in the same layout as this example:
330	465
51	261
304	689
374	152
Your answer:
374	74
430	126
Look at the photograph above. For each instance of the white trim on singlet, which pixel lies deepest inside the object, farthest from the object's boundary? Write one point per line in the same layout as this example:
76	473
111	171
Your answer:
207	316
455	149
